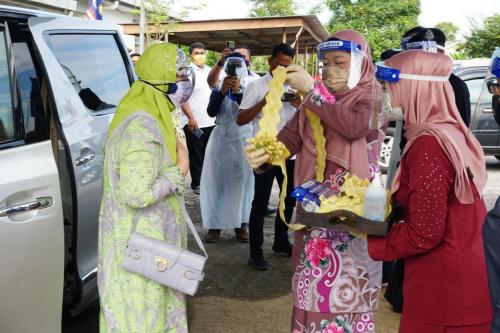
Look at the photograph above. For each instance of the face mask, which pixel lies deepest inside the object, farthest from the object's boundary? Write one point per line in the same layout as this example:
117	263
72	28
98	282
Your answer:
199	59
335	78
393	113
239	73
182	94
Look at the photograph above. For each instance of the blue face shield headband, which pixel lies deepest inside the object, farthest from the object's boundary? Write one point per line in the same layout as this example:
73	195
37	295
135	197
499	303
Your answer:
495	67
393	75
337	45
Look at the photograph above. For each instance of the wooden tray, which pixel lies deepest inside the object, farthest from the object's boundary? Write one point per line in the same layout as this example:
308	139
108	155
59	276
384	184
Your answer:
351	222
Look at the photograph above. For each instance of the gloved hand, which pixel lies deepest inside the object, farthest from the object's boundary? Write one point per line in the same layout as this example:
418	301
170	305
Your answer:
255	157
299	79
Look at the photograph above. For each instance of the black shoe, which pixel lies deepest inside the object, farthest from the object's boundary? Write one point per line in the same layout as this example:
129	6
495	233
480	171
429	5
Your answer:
196	190
258	263
287	248
271	210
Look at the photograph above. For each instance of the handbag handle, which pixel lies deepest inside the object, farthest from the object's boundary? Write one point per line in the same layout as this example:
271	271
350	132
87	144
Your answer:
188	220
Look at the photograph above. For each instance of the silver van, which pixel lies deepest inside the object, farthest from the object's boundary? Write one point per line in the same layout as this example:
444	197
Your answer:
60	81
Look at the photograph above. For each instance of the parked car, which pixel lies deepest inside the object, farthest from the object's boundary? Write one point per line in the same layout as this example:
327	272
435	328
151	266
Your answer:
60	81
483	124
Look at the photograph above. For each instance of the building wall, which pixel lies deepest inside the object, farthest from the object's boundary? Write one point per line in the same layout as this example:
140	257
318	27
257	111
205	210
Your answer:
117	12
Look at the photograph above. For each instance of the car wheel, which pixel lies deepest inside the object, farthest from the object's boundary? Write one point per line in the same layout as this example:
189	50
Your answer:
385	153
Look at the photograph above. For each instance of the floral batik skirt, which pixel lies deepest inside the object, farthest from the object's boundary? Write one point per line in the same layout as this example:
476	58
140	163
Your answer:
335	283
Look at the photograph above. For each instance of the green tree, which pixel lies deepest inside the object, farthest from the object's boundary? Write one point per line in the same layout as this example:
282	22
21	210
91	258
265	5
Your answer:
160	19
482	40
382	22
269	8
449	29
273	7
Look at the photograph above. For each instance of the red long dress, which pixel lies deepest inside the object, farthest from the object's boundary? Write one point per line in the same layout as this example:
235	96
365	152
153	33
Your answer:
445	282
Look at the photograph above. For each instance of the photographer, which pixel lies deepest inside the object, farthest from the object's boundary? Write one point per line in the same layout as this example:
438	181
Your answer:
226	179
217	74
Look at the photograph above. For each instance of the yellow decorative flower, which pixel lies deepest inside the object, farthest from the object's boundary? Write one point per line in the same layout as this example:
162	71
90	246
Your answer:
351	197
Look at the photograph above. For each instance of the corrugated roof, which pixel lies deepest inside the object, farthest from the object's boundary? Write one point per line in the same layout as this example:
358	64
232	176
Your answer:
258	33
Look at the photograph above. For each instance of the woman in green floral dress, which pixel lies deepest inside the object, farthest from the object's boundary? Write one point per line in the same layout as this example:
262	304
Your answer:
144	168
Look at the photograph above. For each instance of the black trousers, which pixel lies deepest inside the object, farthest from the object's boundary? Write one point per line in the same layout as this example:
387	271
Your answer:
263	187
196	148
491	235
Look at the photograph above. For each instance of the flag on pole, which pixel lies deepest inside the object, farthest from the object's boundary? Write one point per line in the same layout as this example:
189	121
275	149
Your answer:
94	12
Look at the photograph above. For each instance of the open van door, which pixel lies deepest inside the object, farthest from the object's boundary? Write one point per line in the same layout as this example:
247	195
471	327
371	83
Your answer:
31	218
89	72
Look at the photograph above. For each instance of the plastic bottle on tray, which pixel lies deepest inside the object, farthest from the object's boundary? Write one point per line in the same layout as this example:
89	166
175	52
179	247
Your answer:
375	200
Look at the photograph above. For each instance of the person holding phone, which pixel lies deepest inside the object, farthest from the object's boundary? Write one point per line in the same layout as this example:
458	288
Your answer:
251	112
227	180
200	125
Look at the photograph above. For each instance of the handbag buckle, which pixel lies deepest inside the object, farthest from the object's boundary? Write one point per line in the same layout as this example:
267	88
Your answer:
161	264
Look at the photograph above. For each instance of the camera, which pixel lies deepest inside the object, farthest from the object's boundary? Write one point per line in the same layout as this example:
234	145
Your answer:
231	70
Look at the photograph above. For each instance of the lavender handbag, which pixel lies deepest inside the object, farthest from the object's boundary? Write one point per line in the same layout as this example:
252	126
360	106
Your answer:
163	263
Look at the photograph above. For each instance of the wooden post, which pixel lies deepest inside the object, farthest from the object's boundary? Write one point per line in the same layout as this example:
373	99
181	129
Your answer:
297	52
306	55
284	35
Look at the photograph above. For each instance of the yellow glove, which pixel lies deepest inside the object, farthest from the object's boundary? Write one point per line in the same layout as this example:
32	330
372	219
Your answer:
299	79
255	157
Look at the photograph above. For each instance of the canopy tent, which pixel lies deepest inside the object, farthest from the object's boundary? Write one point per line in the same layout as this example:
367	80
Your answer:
258	33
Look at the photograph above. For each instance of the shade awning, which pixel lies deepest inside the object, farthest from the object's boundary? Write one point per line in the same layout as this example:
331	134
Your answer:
258	33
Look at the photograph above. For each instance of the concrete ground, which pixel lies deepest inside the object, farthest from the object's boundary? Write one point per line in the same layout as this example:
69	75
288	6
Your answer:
236	298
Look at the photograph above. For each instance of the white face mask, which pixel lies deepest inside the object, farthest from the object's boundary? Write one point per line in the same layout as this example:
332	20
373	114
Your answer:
393	113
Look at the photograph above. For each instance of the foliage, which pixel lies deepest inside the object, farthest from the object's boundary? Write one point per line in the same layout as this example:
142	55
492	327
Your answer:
449	29
273	7
459	55
381	22
483	39
160	18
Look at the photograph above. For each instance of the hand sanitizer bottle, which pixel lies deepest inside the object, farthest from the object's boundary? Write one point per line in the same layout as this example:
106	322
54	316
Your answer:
375	200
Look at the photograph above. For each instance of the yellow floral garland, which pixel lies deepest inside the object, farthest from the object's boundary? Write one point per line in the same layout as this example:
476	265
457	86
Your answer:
266	137
320	141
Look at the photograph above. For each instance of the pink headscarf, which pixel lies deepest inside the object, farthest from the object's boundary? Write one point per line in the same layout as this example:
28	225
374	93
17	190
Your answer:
365	84
429	109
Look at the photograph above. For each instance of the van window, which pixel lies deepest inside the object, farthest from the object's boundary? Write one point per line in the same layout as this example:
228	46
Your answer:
30	86
95	67
7	129
484	118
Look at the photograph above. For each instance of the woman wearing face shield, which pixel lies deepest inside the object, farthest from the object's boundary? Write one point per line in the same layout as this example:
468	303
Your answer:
335	284
226	180
144	170
439	184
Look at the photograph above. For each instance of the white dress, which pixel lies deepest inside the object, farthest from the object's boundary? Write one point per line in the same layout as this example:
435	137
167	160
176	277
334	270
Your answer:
227	181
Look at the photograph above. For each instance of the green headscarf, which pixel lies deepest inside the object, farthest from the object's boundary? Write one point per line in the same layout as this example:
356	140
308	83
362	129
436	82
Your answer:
156	65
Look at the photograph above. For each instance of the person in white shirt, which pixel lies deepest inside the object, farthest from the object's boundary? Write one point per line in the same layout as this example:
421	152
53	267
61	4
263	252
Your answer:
250	111
200	124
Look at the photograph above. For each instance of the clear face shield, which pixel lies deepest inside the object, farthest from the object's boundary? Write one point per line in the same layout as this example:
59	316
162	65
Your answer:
428	46
184	81
339	65
386	76
236	67
490	90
